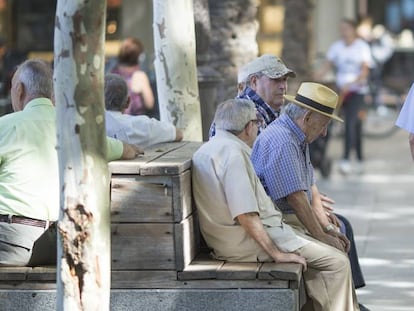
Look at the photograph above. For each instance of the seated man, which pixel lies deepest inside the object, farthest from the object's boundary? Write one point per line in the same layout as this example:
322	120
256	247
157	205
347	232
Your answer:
140	130
29	170
239	221
281	160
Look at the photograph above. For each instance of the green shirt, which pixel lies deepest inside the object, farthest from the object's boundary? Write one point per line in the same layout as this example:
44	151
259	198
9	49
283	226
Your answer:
29	170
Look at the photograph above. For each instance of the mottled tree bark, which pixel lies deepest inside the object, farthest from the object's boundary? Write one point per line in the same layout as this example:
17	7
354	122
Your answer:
234	28
297	38
175	66
84	236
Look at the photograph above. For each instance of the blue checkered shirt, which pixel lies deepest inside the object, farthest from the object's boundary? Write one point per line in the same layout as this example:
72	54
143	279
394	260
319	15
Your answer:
281	159
263	111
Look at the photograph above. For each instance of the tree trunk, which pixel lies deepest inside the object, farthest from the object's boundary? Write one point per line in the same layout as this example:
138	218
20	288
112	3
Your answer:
234	29
297	38
84	235
175	66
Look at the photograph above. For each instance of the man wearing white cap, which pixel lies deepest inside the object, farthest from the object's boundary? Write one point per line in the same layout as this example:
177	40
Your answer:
263	81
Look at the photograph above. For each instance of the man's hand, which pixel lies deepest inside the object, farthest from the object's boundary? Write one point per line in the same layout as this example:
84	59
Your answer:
290	257
333	241
342	238
327	203
131	151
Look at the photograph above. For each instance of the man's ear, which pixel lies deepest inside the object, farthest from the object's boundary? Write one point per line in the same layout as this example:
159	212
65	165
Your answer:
20	96
253	82
307	116
126	105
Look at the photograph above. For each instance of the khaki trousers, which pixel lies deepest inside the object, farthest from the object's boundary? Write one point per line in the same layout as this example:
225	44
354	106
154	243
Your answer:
328	279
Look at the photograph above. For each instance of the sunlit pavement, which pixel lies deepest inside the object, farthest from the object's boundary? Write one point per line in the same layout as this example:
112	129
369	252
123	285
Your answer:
380	206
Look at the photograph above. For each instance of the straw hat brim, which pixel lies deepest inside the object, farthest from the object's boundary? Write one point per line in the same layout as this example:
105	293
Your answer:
292	99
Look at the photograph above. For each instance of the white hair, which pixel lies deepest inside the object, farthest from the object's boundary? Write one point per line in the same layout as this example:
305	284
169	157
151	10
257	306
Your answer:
233	115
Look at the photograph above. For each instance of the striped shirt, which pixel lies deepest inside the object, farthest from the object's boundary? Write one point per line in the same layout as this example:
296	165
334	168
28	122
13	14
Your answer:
281	159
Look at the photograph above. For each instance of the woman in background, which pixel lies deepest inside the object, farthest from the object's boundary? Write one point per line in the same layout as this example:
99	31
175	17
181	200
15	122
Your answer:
140	92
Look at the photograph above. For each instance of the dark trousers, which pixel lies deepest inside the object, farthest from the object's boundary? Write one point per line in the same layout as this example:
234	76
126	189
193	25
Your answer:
352	107
346	229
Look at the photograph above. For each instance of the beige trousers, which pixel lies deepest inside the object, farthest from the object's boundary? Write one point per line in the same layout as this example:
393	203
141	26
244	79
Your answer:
328	279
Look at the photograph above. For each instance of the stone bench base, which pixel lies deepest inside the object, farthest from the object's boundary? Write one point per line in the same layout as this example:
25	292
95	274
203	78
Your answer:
165	299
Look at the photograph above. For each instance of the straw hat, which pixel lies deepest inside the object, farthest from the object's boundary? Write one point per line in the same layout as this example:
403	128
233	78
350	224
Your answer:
268	64
316	97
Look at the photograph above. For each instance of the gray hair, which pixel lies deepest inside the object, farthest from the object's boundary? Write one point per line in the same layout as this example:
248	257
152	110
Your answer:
294	111
233	115
36	76
249	78
116	92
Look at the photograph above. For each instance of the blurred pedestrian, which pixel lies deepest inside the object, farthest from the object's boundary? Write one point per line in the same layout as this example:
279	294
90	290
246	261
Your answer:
406	118
382	48
140	92
351	58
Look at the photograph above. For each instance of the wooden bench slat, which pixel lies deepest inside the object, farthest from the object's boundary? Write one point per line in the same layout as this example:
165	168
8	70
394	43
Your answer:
201	268
46	273
146	246
281	271
173	162
14	273
151	153
141	200
238	271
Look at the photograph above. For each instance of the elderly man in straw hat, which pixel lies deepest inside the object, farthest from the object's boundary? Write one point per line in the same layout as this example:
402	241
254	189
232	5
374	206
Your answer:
281	160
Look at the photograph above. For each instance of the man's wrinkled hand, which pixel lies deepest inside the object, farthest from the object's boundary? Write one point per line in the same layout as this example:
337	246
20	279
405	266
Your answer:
291	257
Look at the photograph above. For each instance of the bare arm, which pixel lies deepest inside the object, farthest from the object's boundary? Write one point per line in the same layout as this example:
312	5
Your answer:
254	227
178	134
304	212
325	220
140	84
411	142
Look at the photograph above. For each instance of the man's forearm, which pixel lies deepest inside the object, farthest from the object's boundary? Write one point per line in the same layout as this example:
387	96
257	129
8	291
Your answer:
318	208
304	212
252	224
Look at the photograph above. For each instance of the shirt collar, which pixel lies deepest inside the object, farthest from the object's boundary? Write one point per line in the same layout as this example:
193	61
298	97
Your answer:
227	135
267	113
41	101
296	130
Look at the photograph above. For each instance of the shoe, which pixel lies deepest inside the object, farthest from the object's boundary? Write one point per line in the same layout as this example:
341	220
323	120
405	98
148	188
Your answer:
359	167
362	307
345	167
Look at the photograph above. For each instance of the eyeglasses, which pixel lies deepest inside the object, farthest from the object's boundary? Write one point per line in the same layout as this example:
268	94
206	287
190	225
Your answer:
258	122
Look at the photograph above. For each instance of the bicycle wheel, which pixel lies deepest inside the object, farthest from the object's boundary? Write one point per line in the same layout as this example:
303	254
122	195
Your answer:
380	119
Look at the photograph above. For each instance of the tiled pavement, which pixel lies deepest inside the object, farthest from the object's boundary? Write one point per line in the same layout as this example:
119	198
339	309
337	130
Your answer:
380	206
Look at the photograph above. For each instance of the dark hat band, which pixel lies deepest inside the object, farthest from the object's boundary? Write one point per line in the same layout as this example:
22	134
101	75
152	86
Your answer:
311	103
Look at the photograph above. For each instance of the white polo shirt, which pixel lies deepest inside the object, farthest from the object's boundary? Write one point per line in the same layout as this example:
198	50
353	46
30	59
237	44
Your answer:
225	186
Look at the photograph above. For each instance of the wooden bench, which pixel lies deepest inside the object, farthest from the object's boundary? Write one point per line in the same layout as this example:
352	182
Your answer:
157	248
